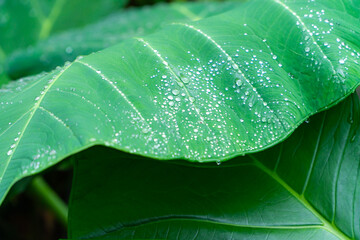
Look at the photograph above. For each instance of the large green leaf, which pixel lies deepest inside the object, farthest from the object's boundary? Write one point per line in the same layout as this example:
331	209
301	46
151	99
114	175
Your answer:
23	22
203	91
305	188
55	51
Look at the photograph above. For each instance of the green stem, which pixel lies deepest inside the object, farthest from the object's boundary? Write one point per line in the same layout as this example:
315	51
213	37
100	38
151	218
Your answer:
48	23
41	190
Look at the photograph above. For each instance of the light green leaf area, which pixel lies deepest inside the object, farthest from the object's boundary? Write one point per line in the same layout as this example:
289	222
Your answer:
24	22
305	188
203	91
58	49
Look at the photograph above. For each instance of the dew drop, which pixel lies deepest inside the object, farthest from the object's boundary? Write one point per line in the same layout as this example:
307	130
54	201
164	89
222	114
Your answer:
175	92
69	50
353	137
341	73
185	80
145	130
9	152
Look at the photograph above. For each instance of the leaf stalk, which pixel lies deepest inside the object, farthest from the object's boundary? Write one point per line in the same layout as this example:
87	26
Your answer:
44	193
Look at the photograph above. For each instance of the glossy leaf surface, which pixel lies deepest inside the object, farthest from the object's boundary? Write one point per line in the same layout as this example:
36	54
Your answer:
305	188
203	91
55	51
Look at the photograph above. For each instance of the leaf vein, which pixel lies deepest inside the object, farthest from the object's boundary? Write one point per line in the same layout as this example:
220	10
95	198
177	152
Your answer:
37	105
314	156
122	94
308	31
176	78
229	58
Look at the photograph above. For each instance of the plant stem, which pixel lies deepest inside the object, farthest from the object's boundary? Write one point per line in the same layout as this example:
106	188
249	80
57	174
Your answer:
41	190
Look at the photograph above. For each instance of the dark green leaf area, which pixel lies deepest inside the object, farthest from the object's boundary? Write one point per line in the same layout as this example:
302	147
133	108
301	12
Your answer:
320	161
305	188
128	195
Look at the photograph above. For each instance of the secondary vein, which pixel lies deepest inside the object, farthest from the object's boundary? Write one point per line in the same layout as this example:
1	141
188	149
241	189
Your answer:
326	224
35	108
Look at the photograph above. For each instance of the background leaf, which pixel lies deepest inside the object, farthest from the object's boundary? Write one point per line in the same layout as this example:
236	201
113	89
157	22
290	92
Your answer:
38	19
305	188
203	91
25	22
55	51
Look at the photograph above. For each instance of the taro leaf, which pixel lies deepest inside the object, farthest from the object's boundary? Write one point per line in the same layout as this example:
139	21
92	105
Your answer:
55	51
203	91
305	188
23	22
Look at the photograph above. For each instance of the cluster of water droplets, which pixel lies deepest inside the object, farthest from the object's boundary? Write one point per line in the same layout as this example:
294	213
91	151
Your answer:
44	153
219	123
321	44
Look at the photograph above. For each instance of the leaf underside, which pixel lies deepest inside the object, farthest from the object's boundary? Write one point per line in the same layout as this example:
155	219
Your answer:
305	188
208	90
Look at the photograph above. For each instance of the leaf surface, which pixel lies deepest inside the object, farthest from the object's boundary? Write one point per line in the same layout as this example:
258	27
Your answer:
305	188
203	91
58	49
